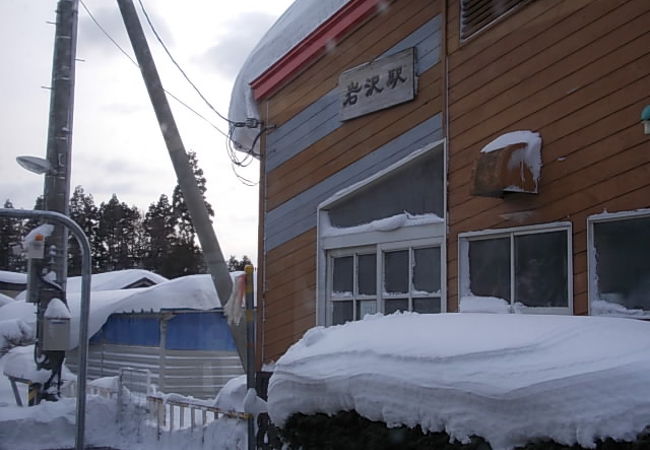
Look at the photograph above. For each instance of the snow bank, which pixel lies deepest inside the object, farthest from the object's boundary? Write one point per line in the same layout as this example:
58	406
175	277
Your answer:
493	305
5	300
605	308
298	21
13	277
506	377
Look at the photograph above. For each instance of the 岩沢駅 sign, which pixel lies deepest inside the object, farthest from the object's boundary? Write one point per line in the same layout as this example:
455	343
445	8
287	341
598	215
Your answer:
377	85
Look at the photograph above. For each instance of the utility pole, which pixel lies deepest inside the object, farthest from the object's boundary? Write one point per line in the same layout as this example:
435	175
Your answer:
56	191
59	137
193	197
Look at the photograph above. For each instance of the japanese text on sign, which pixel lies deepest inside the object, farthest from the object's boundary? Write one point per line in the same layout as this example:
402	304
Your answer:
377	85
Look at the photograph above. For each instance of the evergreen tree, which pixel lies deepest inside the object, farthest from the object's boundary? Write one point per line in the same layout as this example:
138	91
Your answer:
236	265
118	236
10	235
86	214
160	237
39	205
187	254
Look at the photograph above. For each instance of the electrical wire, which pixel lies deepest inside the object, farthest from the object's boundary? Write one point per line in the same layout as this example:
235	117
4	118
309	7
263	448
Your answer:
171	57
250	123
125	53
233	147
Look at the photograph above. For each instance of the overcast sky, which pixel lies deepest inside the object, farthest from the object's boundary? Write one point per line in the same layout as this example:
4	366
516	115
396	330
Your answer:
117	145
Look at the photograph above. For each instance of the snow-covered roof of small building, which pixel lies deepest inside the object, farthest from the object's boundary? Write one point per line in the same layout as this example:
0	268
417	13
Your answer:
118	279
190	292
509	378
298	21
13	277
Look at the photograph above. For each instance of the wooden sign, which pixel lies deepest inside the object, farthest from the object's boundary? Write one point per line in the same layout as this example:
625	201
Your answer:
376	85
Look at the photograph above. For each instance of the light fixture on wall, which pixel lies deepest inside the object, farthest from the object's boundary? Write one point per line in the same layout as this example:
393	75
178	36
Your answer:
645	119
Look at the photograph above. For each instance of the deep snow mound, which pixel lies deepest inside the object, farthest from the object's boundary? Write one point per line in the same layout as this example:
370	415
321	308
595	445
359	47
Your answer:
507	378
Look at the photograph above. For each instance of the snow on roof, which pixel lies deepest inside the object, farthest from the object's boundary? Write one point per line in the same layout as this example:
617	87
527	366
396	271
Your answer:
118	279
13	277
298	21
506	377
190	292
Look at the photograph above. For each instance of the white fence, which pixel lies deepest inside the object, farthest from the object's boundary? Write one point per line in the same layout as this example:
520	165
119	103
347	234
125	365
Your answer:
167	412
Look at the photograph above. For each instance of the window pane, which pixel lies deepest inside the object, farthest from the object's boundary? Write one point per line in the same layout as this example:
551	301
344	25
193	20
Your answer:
426	305
342	275
426	271
416	188
489	268
341	312
541	269
367	273
366	307
396	272
622	262
395	304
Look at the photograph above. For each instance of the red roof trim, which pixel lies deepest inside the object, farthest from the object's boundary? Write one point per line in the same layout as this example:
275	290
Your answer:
346	18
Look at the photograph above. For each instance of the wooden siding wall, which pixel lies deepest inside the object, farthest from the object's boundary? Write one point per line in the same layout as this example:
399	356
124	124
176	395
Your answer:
577	72
311	155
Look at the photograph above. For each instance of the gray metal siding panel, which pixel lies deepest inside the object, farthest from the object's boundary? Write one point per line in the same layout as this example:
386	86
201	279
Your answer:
321	117
298	214
197	373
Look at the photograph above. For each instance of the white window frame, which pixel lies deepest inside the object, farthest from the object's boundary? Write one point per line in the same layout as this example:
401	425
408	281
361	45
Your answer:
463	260
592	284
378	250
431	234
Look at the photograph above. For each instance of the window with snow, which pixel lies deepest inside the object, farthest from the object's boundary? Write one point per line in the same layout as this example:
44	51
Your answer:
620	278
384	278
381	242
415	188
477	14
526	267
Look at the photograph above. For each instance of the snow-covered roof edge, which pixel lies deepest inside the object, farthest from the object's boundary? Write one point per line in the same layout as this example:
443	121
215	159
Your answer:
301	22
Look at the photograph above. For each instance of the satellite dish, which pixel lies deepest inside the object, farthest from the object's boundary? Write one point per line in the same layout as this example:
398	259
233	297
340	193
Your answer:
35	164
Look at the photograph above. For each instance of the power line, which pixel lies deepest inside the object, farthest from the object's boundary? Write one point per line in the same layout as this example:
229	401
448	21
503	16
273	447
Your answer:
125	53
171	57
249	123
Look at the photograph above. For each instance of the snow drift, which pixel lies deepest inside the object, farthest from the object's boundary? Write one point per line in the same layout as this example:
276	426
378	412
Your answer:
507	378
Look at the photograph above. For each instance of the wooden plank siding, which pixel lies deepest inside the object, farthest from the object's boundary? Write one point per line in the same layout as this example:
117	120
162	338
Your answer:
311	154
578	73
374	38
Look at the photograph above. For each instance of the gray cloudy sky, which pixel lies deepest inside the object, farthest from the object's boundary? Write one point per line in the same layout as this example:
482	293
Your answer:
117	145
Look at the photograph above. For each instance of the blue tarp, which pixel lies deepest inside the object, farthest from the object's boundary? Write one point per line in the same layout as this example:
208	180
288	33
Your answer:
185	331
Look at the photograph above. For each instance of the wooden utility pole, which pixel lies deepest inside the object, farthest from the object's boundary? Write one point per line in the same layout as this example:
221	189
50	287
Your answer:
193	196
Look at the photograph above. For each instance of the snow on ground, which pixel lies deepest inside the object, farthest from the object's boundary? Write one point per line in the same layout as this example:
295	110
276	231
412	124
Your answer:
52	425
5	300
509	378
